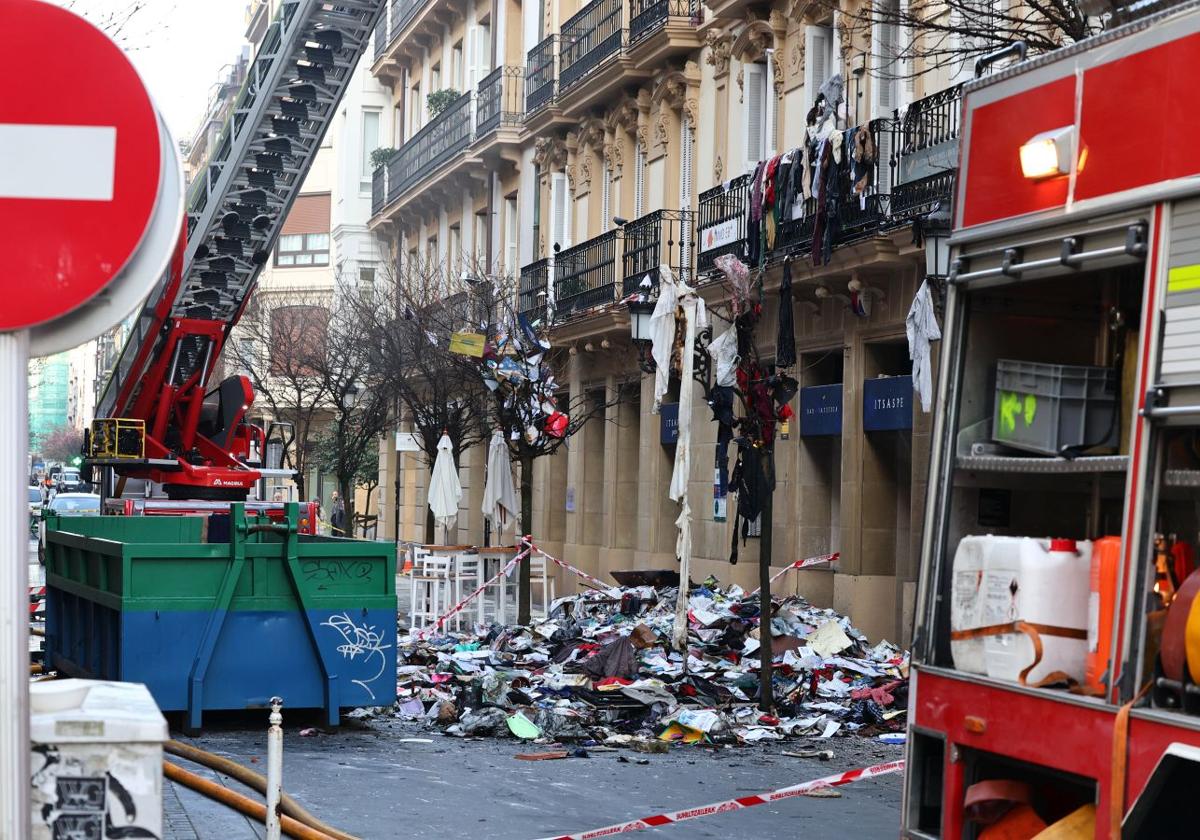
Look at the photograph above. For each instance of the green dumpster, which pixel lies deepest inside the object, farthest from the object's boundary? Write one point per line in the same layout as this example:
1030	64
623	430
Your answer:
222	611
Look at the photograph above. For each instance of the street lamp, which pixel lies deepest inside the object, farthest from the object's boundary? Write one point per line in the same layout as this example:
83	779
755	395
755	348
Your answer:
350	397
640	312
935	228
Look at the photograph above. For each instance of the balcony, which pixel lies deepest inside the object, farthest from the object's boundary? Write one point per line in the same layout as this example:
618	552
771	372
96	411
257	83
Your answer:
381	35
541	75
588	39
664	237
444	136
586	275
533	288
722	222
925	139
378	189
500	101
662	29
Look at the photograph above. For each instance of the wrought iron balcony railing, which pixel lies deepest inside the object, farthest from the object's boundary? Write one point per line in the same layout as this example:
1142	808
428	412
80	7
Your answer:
664	237
381	33
925	153
401	14
500	100
648	16
541	75
587	39
721	222
378	189
586	275
444	136
533	288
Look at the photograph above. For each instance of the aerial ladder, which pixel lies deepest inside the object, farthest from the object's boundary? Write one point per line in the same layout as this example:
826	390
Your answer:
158	419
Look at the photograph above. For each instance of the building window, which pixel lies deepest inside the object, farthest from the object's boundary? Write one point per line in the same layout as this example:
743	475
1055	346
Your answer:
299	336
302	249
537	208
431	251
456	66
760	113
370	142
481	242
510	234
454	255
304	240
247	357
435	78
366	282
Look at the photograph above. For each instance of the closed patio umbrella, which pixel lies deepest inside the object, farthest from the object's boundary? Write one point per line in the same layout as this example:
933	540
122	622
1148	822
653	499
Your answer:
499	496
444	487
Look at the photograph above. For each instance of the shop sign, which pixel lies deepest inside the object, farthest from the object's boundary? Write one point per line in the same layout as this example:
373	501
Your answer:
887	404
668	423
821	410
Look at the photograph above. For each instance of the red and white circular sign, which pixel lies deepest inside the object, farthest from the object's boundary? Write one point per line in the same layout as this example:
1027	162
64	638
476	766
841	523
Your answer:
80	163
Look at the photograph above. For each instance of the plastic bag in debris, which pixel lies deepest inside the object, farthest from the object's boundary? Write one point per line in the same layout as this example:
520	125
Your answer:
488	721
559	725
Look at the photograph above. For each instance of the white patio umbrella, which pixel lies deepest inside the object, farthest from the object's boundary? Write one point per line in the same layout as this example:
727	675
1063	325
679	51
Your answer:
444	487
499	497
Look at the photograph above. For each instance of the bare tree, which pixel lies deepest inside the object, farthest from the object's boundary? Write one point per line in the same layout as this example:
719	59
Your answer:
953	34
62	443
280	344
358	397
533	410
407	321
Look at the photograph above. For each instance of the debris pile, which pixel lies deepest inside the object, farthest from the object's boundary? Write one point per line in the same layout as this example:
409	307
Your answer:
600	670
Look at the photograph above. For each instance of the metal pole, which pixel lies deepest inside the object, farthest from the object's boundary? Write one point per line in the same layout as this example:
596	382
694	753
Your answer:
14	587
274	767
766	695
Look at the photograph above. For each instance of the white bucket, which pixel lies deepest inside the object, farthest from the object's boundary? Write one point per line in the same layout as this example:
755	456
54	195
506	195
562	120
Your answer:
966	597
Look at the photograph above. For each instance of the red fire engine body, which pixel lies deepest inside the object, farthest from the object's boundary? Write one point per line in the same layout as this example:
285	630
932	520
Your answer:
1087	255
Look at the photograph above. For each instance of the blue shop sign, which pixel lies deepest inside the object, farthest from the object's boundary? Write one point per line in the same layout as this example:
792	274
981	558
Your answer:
887	404
821	410
668	423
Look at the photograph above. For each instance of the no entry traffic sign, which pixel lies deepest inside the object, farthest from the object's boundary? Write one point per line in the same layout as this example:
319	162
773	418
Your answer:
80	163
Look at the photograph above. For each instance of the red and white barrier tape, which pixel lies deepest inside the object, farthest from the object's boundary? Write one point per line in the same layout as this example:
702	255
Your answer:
37	600
736	804
457	608
803	564
607	588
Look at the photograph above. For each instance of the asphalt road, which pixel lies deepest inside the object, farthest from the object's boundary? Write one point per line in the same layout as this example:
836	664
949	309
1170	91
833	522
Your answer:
370	781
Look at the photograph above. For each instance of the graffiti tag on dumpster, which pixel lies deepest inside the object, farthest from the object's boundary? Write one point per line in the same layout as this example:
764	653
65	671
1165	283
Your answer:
331	570
359	641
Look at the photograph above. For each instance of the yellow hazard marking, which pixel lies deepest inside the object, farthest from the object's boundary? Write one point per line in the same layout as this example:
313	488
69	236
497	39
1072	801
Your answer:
1185	278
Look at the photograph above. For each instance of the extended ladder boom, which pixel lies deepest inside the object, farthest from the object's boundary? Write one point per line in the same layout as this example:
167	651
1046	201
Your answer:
235	211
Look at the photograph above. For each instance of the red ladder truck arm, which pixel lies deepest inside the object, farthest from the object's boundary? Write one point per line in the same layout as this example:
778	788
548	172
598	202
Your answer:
196	438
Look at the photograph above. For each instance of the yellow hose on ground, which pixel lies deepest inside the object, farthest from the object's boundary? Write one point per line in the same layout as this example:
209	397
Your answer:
34	668
254	781
257	810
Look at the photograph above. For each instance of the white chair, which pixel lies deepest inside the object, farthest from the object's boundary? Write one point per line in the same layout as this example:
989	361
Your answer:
430	586
467	576
498	594
540	575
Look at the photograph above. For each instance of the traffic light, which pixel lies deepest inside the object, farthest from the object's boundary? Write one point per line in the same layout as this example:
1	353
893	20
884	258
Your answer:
76	461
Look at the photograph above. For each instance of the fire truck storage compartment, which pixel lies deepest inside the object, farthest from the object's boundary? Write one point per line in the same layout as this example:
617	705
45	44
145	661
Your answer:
1054	794
222	625
1081	319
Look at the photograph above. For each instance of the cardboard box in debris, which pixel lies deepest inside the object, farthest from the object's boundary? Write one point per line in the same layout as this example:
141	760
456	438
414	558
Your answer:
601	670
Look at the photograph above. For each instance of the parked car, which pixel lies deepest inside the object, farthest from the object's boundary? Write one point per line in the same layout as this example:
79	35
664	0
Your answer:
36	500
70	482
75	504
67	504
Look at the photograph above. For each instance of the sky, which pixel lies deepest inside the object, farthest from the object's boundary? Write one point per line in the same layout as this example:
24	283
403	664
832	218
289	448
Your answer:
180	47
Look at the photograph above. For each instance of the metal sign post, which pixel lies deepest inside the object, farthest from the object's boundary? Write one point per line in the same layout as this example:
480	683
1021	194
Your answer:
91	203
14	583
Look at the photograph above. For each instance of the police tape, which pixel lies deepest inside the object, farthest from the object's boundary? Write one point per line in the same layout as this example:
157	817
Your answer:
803	564
606	588
457	608
738	804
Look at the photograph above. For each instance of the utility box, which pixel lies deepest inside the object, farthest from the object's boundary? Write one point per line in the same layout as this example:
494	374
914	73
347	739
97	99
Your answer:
96	768
1045	408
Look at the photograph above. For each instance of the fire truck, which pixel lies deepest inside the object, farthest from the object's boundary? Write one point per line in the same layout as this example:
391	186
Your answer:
1064	512
160	418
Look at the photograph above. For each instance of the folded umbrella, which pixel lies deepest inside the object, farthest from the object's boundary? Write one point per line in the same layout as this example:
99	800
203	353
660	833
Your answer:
499	496
444	487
